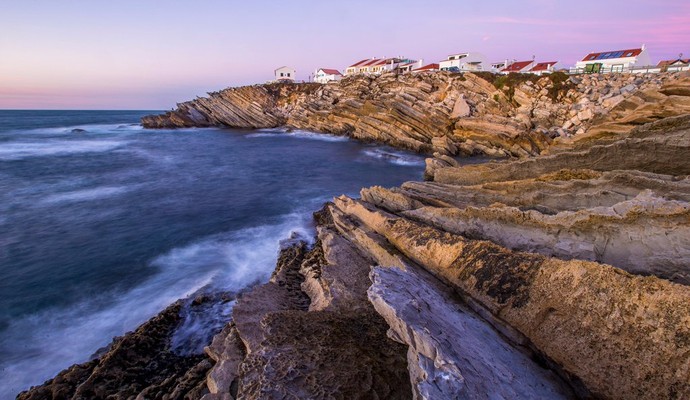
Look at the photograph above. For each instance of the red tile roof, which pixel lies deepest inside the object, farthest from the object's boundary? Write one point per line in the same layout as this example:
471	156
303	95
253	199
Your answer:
517	66
625	54
669	62
428	67
543	66
331	71
357	64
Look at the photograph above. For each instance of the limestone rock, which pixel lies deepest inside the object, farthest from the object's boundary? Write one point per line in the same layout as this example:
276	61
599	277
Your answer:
458	355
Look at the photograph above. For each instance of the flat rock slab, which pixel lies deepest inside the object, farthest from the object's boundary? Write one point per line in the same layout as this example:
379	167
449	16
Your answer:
458	355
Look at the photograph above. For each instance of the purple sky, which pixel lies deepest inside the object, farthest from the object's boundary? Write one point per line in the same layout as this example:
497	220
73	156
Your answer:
145	54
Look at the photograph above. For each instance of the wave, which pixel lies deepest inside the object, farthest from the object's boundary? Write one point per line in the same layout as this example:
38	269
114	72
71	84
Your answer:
86	194
272	133
395	157
21	150
83	129
37	347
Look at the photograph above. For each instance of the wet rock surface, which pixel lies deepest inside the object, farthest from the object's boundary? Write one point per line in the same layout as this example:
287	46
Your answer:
140	364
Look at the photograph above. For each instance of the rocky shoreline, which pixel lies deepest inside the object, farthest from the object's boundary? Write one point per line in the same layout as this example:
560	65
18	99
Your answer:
445	113
558	276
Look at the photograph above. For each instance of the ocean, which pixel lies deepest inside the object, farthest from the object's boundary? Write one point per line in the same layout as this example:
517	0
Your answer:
103	224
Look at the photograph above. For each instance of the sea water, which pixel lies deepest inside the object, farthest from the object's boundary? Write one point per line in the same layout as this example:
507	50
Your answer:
103	223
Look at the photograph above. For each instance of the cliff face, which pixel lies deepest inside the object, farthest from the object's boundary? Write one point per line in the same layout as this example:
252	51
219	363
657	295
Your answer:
560	276
446	113
486	270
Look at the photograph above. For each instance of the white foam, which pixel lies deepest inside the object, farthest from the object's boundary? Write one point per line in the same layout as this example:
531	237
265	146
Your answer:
395	157
56	339
273	133
86	194
87	129
21	150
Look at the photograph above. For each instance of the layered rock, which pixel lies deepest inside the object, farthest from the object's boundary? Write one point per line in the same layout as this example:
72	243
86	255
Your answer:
616	334
442	112
282	344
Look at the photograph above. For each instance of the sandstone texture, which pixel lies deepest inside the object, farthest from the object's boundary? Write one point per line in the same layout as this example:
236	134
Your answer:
563	272
451	114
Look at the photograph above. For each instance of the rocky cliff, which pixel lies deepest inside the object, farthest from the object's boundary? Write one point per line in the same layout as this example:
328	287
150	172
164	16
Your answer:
565	275
524	279
499	116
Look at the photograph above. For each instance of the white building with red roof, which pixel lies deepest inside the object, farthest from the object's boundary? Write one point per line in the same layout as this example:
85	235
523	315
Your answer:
325	75
520	67
375	66
547	67
428	67
614	61
679	64
464	62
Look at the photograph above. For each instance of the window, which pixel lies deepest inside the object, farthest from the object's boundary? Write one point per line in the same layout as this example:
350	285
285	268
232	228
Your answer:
288	74
629	54
281	74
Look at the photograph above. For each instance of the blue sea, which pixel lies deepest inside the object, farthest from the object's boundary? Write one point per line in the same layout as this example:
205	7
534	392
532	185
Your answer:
103	223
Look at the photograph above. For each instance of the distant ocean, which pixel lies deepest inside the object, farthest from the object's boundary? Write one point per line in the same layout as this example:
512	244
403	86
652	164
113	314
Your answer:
103	224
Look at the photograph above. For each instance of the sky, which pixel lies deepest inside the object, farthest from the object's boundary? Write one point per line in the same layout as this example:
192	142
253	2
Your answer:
146	54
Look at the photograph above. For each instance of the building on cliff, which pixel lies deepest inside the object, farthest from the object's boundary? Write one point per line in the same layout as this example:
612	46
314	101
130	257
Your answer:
285	74
325	75
545	68
520	67
679	64
377	66
463	62
615	61
428	67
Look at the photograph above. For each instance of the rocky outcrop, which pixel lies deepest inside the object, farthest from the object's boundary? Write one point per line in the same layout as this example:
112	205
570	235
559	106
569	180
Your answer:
140	365
566	276
451	114
596	323
284	344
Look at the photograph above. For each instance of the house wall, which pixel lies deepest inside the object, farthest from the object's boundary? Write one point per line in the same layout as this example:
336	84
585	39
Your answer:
321	77
471	62
285	73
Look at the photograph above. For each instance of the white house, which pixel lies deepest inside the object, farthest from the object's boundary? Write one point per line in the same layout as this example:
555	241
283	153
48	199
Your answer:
285	74
614	61
463	62
520	67
498	66
428	67
325	75
375	66
545	67
679	64
410	65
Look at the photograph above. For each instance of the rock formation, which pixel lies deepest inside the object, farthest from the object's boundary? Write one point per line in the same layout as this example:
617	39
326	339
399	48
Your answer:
513	116
565	275
140	364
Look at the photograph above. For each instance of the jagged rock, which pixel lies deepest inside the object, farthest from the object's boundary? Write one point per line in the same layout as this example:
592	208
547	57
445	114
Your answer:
459	355
410	110
621	336
644	150
140	364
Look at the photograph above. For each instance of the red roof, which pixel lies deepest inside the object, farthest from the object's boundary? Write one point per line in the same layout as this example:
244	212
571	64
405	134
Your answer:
669	62
331	71
359	63
607	54
428	67
543	66
517	66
